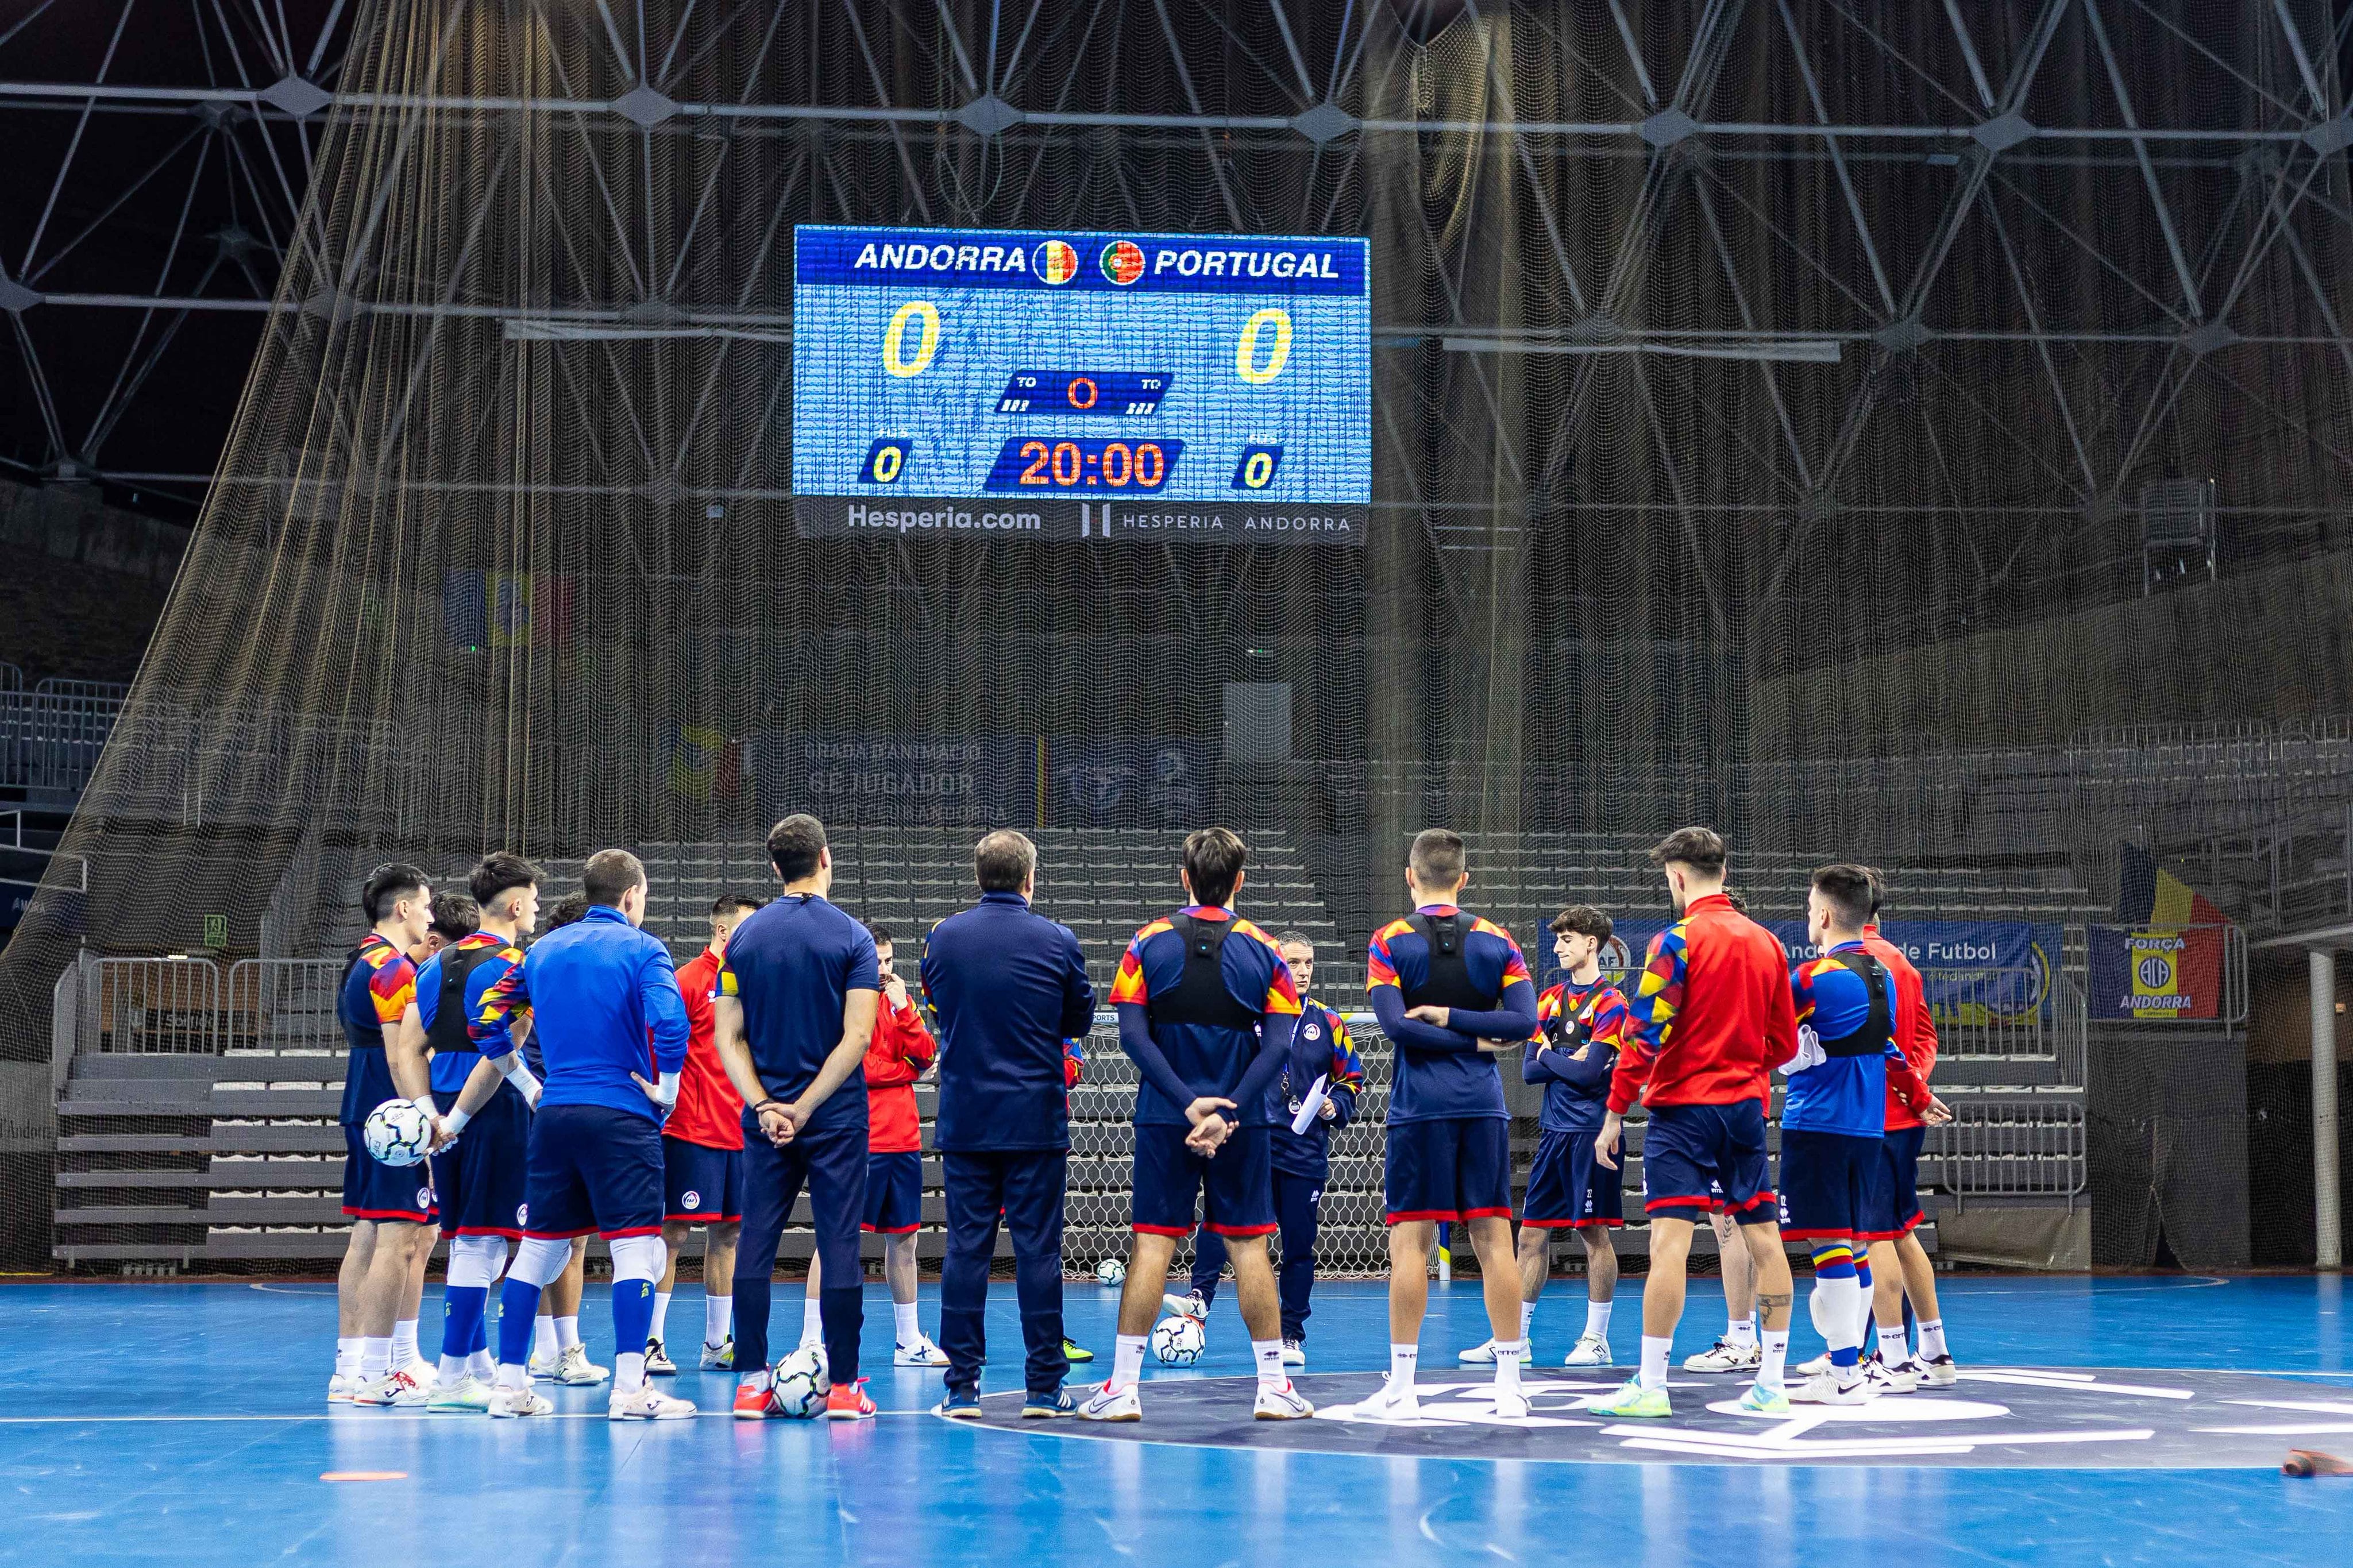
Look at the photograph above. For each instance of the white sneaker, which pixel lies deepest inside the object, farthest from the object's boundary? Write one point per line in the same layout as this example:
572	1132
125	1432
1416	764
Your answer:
341	1388
1104	1405
1188	1305
1725	1356
542	1368
1886	1379
657	1361
1824	1388
647	1402
720	1357
423	1373
467	1395
512	1402
575	1369
1393	1403
1293	1353
1814	1368
1591	1350
1511	1403
1285	1404
922	1352
1936	1371
1483	1354
394	1388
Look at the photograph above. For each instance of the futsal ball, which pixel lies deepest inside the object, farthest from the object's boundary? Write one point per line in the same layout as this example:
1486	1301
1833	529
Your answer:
397	1133
801	1384
1110	1271
1177	1341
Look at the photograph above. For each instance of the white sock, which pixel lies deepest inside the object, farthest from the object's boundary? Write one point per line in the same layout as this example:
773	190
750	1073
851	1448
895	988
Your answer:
628	1371
375	1356
482	1364
347	1355
1507	1366
903	1319
718	1319
812	1322
514	1377
1267	1353
1776	1357
543	1338
1126	1360
404	1342
659	1328
1527	1316
1932	1339
567	1332
1402	1360
757	1381
452	1368
1740	1334
1864	1319
1654	1359
1596	1319
1892	1348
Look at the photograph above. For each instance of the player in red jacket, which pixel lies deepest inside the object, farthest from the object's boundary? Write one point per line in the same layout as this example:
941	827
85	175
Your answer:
1712	1017
900	1052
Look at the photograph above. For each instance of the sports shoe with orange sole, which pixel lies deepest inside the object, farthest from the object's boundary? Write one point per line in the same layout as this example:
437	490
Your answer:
847	1402
755	1404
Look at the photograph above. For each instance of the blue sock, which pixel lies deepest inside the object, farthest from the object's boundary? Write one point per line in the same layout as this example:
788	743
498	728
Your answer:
463	1307
517	1305
633	1313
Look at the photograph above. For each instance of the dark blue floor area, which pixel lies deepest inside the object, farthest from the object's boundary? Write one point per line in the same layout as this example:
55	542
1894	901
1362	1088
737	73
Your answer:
188	1420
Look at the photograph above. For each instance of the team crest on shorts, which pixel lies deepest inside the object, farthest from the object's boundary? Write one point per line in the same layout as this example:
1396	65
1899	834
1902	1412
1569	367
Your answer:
691	1200
425	1197
522	1214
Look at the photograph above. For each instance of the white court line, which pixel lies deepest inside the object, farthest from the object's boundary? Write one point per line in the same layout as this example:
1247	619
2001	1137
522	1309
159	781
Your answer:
2286	1430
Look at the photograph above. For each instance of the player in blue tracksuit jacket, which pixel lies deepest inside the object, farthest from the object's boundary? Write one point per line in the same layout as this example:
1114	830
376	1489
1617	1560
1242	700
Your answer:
1320	1047
605	1001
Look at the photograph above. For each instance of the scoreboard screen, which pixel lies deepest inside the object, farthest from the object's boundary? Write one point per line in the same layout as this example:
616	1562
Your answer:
1069	385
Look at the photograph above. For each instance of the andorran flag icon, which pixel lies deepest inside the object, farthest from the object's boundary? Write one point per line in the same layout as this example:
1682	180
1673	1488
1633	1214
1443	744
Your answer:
1055	261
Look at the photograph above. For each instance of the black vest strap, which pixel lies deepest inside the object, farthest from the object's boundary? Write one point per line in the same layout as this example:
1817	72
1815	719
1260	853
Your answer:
1567	1030
1201	997
448	1030
1870	1037
1449	983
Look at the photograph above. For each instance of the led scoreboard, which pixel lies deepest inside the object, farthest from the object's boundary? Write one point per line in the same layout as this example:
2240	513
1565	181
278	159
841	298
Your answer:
1073	386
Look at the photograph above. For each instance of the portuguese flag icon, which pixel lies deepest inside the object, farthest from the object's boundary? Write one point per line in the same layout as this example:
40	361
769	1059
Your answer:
1057	262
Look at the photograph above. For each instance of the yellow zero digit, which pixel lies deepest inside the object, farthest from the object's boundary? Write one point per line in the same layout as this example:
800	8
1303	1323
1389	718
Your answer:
1258	469
887	461
1246	363
926	319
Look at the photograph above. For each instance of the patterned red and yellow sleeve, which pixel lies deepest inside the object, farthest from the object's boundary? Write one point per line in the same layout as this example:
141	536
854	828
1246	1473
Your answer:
393	986
1379	968
1128	985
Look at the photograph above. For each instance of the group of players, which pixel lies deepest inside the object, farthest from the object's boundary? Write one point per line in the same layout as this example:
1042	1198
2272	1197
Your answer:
584	1084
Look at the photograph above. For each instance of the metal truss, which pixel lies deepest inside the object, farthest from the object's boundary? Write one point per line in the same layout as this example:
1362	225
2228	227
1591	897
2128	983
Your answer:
1935	144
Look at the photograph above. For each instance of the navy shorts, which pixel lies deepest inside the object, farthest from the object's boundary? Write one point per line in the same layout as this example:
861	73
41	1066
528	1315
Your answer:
1699	1158
1898	1189
374	1190
1569	1187
1830	1182
1451	1168
593	1167
480	1179
894	1192
699	1185
1235	1185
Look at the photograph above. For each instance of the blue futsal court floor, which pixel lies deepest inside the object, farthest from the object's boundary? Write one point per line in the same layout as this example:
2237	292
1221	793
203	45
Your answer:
186	1422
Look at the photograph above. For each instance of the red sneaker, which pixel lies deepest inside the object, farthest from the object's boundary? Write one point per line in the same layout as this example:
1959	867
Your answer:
754	1404
847	1402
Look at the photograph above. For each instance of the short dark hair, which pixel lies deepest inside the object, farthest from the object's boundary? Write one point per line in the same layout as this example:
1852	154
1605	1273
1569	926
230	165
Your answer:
1737	900
386	885
1437	858
1214	857
1878	887
499	871
727	903
456	915
609	874
568	910
1583	919
796	845
1847	890
1004	861
1701	848
881	934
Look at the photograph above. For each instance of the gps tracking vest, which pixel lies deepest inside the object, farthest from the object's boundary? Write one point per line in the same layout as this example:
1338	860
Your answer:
449	1029
1449	984
1200	997
1870	1037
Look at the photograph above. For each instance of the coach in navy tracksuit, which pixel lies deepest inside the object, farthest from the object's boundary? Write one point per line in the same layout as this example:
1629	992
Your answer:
1007	988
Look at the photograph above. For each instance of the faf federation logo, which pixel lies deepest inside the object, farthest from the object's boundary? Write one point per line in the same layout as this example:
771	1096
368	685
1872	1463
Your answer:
1121	261
1055	261
692	1200
2155	971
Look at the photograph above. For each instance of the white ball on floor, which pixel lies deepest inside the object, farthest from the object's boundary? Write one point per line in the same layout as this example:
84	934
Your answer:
397	1134
1177	1341
801	1382
1110	1271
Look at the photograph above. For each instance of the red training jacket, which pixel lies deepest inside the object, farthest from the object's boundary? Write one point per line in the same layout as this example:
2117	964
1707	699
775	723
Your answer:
1712	1014
1915	1026
896	1057
709	1111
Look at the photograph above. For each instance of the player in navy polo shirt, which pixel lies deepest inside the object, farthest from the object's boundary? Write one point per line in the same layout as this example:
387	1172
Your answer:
1010	992
794	1011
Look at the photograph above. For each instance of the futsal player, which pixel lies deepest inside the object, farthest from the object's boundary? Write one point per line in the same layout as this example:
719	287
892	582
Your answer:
1451	991
605	994
702	1159
1712	1018
389	1208
557	1352
1010	990
1205	1005
792	1016
1833	1120
478	1177
1580	1024
1320	1049
901	1051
